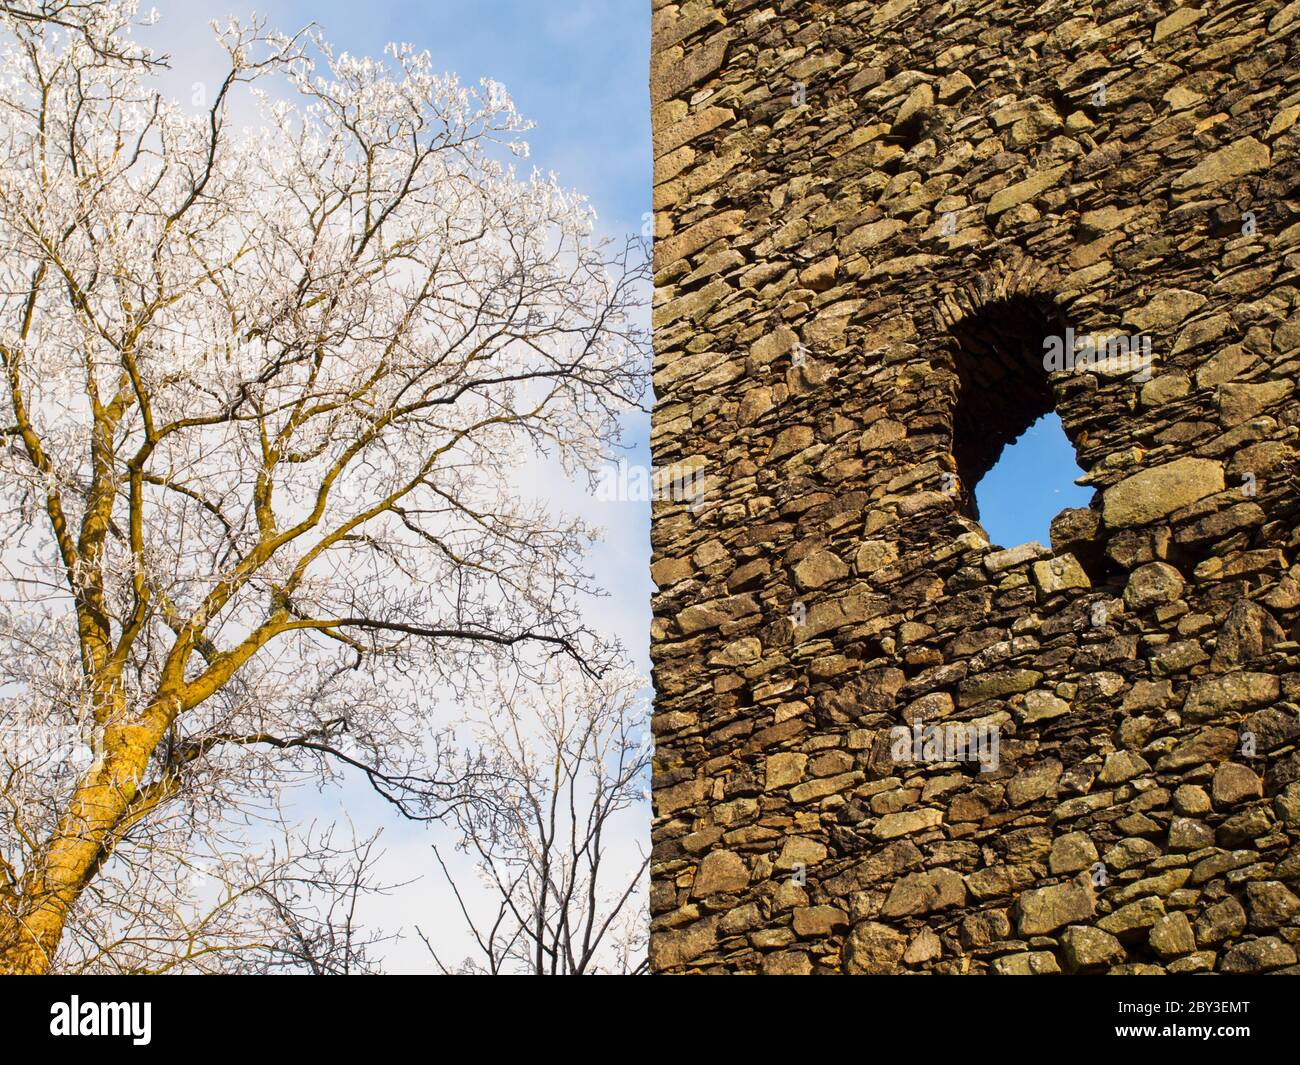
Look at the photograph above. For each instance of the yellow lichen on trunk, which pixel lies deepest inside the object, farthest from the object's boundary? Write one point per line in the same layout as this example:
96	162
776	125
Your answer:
101	807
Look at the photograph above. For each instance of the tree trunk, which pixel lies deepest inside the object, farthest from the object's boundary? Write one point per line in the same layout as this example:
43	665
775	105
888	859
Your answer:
27	945
30	939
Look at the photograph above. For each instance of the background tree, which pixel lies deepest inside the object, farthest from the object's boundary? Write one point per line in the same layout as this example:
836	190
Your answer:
266	397
573	757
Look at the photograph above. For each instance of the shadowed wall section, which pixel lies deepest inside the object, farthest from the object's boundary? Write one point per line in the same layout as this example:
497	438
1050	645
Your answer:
1002	387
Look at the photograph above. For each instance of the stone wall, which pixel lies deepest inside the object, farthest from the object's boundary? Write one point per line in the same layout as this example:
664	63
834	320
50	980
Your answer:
870	220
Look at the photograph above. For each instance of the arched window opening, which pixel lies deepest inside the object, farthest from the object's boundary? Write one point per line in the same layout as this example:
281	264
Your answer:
1004	417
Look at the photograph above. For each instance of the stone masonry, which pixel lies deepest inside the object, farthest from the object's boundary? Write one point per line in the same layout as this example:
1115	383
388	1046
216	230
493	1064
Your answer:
889	237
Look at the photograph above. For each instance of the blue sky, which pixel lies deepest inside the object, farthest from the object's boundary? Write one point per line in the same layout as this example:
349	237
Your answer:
1032	482
579	70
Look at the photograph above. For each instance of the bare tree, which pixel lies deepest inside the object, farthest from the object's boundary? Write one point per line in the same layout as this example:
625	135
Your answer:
232	904
552	845
267	395
314	905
